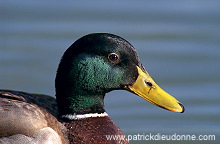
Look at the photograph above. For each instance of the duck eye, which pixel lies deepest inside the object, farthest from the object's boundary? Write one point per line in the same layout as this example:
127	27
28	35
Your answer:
113	57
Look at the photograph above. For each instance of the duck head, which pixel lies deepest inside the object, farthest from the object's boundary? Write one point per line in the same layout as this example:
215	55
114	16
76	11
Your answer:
97	64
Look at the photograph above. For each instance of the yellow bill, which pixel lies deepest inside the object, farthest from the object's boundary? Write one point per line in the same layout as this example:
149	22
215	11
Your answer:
146	88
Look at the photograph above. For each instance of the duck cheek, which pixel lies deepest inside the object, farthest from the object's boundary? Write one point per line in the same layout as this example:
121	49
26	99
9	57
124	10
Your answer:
129	77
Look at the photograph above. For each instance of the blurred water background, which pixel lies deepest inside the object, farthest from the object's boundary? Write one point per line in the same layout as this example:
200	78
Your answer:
178	43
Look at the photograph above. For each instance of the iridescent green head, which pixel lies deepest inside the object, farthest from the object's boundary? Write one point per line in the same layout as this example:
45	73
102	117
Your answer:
94	65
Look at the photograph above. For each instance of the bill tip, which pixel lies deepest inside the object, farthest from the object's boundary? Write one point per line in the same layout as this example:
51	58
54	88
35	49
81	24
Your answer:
183	109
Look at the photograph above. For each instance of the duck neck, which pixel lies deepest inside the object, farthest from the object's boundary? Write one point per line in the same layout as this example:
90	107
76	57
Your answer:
75	104
78	85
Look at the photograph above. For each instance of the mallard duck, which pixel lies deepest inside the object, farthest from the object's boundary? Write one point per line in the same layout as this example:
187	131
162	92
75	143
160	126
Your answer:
92	66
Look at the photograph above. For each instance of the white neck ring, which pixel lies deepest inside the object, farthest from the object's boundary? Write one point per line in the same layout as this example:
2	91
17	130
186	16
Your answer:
82	116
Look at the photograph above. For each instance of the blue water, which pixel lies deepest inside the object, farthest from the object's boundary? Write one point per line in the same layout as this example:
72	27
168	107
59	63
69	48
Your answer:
178	43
